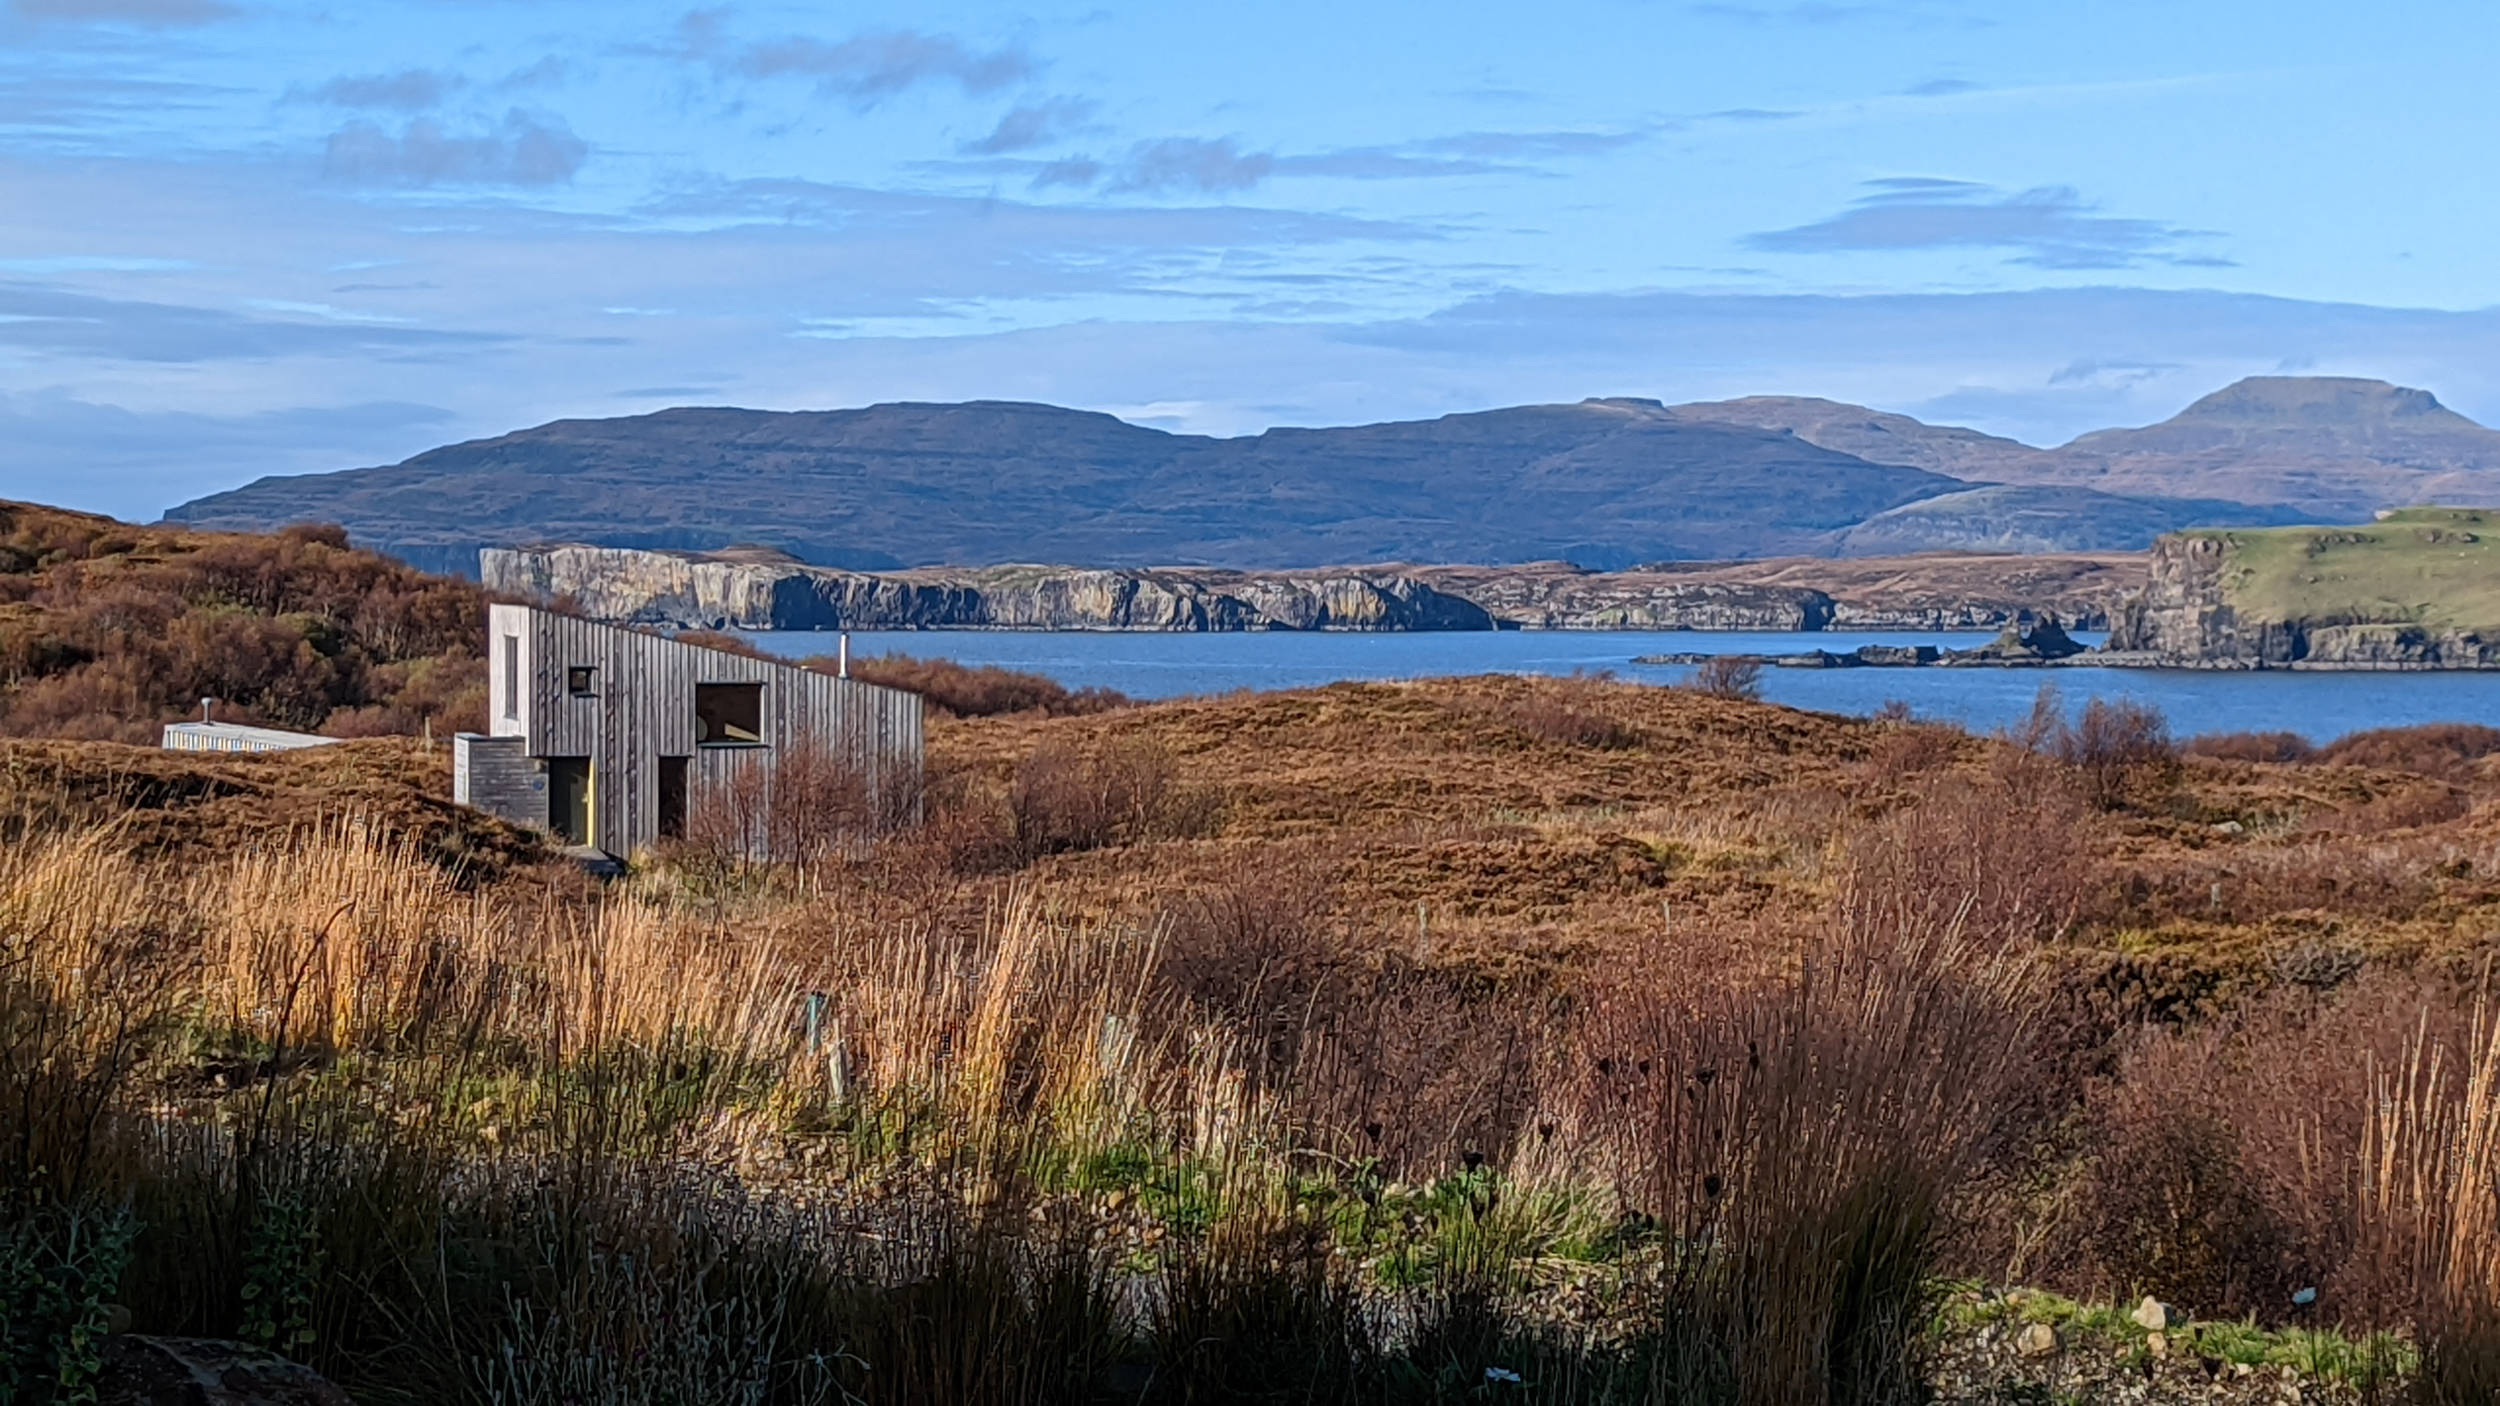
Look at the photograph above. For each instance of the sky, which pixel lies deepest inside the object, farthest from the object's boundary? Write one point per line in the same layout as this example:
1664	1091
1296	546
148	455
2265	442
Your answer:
244	237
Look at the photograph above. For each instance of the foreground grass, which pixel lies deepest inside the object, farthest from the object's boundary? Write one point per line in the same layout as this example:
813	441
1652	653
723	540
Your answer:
1567	1042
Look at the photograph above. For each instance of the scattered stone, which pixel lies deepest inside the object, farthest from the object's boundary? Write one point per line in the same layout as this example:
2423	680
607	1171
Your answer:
149	1371
2152	1314
2158	1344
2037	1340
2230	827
1898	656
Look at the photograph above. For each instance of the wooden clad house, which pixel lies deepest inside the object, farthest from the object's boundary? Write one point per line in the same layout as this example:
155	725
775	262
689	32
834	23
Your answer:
609	737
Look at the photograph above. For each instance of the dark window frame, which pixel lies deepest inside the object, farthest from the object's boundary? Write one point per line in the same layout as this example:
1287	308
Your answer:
712	718
581	680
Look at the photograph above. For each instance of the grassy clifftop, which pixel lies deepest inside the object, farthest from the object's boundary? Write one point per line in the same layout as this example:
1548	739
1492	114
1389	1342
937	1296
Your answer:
2438	568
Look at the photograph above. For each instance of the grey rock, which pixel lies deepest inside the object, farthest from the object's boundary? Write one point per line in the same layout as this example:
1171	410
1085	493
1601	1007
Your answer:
152	1371
761	590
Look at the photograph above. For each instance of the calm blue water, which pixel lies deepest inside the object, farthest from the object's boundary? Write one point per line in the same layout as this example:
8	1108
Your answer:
2317	705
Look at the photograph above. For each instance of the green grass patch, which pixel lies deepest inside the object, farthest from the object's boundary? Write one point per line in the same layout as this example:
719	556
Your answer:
2436	568
2367	1360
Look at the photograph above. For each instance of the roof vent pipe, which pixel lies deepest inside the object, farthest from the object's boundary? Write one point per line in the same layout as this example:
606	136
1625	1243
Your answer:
844	668
205	705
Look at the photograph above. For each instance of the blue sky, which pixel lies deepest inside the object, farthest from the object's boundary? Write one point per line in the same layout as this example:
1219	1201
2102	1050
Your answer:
254	236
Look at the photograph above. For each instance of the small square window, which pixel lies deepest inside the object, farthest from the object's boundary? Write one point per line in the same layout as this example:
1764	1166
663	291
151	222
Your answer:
729	714
577	680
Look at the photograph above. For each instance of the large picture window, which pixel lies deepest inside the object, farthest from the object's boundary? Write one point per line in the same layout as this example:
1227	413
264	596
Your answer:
729	714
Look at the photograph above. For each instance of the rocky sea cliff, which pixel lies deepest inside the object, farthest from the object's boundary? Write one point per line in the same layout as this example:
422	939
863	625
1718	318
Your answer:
2403	593
755	589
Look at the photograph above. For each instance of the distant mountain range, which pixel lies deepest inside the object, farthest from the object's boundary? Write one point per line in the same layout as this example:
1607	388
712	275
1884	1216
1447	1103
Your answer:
1605	483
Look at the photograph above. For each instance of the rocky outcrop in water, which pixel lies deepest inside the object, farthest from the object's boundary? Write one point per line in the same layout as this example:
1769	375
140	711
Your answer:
756	590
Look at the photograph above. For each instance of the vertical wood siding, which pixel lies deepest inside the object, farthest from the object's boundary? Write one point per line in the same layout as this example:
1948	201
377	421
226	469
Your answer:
641	708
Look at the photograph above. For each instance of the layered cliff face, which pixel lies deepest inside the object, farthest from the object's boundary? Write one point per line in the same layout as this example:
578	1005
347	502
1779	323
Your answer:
2419	589
750	588
1637	601
1943	592
764	591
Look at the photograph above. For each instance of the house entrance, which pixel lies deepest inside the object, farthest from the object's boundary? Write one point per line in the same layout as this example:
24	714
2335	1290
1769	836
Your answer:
673	797
568	799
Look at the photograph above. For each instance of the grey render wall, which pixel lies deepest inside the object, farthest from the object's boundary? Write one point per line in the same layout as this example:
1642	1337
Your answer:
499	777
641	708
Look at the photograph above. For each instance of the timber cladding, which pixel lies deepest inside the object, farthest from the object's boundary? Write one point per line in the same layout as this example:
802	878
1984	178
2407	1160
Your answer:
649	715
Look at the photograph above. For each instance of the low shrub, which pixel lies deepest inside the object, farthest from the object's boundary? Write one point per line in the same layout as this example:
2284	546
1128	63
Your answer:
2432	749
2250	746
1727	676
2116	745
1067	796
1569	712
982	691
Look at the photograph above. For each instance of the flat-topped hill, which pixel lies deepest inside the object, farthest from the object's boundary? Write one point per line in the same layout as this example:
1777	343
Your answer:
1604	483
2336	446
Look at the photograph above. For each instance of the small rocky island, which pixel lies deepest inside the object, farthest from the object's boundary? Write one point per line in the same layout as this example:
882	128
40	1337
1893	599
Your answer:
2028	643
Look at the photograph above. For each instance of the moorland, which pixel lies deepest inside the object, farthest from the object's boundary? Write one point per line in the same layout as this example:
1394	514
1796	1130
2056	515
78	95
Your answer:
1457	1040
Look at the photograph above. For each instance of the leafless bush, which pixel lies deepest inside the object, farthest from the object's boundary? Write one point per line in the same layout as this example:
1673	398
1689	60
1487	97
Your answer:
1067	797
2002	861
2249	746
2335	1142
1727	676
1904	747
1570	712
802	804
1248	945
2117	745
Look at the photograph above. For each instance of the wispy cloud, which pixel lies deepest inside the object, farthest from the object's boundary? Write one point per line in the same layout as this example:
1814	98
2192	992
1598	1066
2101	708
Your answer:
409	90
1190	163
1530	146
523	150
866	68
40	318
2045	227
1221	165
149	14
1029	125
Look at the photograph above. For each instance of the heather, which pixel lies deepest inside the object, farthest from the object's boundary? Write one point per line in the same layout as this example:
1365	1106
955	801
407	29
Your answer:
1563	1038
